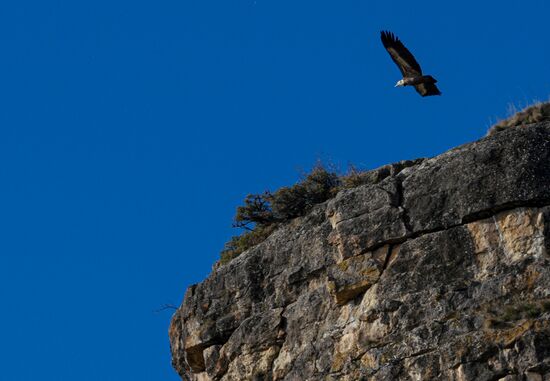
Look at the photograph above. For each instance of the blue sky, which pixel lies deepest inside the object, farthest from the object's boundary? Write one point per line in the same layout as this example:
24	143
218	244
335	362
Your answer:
131	130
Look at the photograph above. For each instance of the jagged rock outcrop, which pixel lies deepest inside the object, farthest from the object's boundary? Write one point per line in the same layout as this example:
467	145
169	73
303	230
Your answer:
439	269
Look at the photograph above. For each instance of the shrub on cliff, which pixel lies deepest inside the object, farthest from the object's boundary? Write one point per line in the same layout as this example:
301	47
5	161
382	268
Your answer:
538	112
248	239
255	211
317	187
261	213
356	177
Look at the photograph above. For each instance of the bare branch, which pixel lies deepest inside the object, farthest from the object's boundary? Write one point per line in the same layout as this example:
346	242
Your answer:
167	306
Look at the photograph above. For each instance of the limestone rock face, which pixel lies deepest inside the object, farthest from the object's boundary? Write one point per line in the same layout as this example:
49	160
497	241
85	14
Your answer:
439	270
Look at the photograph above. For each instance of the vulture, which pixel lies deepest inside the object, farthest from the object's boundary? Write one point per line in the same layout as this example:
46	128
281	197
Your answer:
405	61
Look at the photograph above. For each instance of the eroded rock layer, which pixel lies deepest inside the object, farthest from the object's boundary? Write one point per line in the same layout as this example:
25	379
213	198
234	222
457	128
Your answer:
439	270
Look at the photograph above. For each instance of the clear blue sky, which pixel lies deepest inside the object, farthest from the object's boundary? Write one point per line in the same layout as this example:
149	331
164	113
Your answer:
130	131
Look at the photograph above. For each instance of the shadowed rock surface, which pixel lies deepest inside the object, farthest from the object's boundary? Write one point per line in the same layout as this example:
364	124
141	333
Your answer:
440	270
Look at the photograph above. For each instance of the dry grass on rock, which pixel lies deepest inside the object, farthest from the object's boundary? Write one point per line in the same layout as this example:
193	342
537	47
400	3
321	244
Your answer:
539	112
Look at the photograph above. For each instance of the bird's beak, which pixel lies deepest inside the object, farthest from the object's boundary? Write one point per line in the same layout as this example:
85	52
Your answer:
396	85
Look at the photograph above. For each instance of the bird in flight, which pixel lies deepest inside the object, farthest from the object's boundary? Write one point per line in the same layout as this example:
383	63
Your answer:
405	61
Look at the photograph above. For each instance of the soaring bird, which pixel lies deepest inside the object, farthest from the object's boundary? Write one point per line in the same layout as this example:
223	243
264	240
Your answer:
412	73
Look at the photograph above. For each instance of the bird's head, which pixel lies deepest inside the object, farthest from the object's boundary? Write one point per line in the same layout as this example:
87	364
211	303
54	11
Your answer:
400	83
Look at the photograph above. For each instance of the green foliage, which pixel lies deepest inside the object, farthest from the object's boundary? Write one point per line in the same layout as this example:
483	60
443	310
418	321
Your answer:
243	242
261	213
256	210
317	187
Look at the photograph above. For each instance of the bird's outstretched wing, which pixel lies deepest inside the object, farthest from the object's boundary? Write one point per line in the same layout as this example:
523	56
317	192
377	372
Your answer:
400	55
426	89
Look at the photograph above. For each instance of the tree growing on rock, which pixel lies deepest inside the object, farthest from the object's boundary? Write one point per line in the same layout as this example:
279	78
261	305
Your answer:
255	211
262	213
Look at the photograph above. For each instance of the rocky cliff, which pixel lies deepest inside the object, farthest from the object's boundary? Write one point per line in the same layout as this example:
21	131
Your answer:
439	269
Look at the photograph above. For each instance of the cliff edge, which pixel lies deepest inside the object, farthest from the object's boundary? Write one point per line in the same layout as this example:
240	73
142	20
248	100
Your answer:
439	269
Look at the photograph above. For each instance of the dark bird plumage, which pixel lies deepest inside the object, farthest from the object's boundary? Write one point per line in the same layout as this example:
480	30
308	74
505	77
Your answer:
409	67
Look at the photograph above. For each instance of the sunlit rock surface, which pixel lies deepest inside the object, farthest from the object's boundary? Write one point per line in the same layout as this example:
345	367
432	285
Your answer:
438	270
